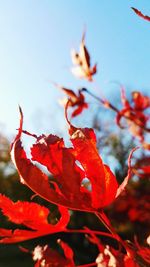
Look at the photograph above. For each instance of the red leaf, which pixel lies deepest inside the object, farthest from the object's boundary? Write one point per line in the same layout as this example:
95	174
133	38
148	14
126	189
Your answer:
134	114
33	216
140	14
60	162
69	166
68	252
28	213
34	177
38	181
103	182
141	102
75	100
95	240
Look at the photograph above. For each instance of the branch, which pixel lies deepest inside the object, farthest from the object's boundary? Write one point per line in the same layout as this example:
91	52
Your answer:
107	104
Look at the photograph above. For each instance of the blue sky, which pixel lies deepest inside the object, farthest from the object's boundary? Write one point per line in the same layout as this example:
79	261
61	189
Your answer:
35	42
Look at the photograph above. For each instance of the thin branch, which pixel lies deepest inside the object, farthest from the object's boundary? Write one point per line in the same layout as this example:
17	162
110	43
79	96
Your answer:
104	219
88	265
107	104
88	231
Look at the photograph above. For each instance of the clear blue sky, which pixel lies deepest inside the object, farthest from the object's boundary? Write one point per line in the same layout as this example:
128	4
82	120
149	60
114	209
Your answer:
35	42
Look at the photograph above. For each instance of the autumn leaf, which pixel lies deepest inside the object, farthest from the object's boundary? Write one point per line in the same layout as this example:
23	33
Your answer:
100	176
68	252
69	167
95	240
134	114
140	101
140	14
31	215
77	101
81	61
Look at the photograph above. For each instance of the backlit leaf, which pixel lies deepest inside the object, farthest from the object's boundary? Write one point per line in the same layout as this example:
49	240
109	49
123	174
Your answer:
32	215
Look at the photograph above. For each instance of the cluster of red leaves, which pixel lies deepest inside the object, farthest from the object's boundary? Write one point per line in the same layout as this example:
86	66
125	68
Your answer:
70	166
134	113
66	189
108	256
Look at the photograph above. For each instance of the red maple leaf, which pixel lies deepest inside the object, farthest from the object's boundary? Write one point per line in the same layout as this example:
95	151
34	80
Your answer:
31	215
69	166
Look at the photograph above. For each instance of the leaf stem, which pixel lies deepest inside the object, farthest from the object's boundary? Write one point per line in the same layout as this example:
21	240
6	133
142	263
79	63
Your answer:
104	219
88	265
88	231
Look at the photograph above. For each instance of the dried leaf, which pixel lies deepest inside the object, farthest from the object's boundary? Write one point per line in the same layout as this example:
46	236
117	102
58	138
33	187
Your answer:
81	60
